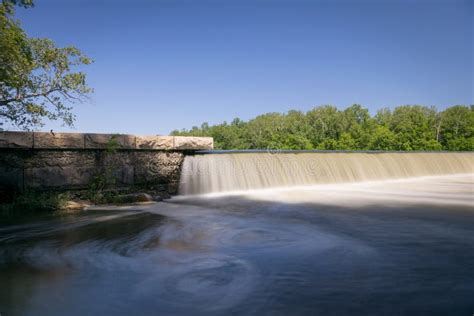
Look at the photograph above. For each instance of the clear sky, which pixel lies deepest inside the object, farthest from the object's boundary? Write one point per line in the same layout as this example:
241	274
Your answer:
164	65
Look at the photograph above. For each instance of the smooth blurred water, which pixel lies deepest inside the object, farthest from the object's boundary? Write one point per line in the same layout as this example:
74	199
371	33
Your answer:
275	254
247	170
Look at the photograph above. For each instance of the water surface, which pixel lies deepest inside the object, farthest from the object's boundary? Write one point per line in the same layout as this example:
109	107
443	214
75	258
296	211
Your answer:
390	248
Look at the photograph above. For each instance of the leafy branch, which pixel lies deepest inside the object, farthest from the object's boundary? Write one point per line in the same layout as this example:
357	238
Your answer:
37	79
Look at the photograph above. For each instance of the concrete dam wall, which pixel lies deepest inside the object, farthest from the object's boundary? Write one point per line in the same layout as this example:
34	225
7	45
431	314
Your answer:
247	170
67	161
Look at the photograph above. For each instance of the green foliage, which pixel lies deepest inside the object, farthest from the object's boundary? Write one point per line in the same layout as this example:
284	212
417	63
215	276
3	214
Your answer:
21	3
34	202
37	79
346	142
457	123
409	127
105	178
383	139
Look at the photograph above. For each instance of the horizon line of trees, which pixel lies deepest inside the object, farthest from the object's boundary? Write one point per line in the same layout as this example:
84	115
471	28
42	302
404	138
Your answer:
405	128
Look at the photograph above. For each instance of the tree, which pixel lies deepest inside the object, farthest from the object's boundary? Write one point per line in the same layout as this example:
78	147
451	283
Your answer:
358	125
383	117
414	126
457	128
37	79
266	131
325	124
346	142
326	127
383	139
10	4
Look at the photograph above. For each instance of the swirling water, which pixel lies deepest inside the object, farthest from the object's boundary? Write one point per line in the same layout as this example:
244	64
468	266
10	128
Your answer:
389	248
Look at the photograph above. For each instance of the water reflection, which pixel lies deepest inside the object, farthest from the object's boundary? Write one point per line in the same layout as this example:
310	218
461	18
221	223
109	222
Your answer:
244	255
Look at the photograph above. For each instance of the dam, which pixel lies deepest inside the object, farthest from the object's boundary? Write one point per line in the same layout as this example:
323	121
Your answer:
189	165
246	170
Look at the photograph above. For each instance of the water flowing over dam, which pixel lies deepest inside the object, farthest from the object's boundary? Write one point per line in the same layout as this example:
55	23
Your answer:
237	171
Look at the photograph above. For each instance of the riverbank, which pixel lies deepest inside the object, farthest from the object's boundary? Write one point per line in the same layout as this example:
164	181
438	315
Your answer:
30	203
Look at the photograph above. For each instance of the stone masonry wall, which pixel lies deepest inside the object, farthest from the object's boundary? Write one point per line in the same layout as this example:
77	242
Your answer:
65	161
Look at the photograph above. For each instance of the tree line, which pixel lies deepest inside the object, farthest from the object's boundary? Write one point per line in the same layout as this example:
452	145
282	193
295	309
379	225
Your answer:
405	128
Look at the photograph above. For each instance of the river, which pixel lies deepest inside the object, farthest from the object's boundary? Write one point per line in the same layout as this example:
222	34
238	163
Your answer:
373	248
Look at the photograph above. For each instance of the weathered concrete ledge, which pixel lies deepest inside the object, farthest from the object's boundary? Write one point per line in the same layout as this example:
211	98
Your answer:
69	161
73	141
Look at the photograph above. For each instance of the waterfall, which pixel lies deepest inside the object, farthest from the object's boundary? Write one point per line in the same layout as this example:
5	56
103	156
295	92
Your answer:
210	173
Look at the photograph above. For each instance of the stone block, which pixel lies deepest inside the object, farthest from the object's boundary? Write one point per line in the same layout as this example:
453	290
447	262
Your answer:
155	142
157	167
53	158
58	140
118	165
58	177
11	169
13	158
172	187
193	143
125	176
11	179
114	141
16	140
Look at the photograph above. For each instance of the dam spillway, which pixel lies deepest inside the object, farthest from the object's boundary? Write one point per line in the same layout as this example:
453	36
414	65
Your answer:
239	171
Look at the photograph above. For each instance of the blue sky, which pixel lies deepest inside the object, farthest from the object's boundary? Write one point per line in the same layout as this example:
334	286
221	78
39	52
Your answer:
164	65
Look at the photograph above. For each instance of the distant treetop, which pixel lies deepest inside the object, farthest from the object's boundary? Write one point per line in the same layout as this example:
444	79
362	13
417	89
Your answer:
408	127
